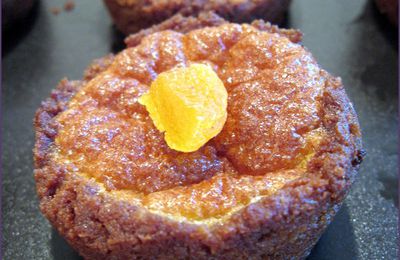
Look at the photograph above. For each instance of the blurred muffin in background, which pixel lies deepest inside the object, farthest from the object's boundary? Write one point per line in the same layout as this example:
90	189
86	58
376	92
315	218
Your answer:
390	8
131	16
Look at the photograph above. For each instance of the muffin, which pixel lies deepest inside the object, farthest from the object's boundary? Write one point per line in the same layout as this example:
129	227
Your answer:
266	186
390	8
130	16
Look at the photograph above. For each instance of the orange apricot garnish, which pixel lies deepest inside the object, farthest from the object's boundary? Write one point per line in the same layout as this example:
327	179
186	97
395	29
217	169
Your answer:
188	104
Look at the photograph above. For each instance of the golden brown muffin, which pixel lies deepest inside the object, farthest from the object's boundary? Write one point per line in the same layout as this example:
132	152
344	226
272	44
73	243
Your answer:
130	16
265	187
390	8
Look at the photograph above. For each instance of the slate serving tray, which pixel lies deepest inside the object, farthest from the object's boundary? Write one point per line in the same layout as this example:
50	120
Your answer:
349	39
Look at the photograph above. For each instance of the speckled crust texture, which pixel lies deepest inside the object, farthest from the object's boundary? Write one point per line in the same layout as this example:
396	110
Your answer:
390	8
186	24
285	225
131	16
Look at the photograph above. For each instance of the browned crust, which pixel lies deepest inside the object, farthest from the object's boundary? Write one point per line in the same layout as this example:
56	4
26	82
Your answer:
390	8
285	225
132	16
186	24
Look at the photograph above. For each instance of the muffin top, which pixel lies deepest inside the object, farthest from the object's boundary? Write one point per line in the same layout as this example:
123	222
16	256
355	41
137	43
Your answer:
272	131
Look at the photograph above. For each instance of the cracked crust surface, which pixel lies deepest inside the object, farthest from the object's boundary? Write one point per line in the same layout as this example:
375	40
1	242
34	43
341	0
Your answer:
282	225
132	16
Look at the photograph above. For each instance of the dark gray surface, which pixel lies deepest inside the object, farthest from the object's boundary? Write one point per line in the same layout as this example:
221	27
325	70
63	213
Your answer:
348	38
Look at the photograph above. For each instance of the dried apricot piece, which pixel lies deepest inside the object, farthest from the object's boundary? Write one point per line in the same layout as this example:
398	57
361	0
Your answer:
189	104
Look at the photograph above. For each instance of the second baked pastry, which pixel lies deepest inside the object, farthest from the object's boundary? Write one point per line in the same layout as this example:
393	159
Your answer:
390	9
132	15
